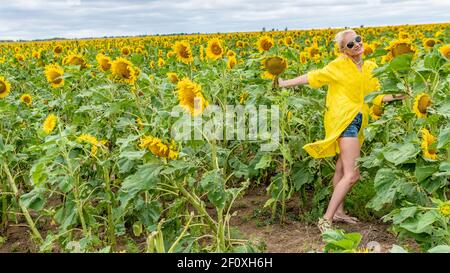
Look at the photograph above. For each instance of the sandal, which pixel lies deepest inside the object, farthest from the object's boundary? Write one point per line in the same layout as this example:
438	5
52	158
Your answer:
348	220
324	225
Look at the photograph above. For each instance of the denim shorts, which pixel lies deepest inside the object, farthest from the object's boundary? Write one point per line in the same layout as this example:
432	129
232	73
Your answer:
353	129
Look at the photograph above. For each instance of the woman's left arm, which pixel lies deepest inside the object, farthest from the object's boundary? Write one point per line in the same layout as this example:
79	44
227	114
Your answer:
389	98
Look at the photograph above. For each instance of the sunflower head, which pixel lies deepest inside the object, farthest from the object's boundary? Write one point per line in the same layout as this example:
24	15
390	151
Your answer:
275	65
288	41
104	62
427	144
183	51
173	77
5	87
421	104
303	57
54	74
214	50
445	51
231	62
191	97
444	209
123	70
58	49
75	60
429	43
264	43
49	124
157	147
26	99
400	47
125	51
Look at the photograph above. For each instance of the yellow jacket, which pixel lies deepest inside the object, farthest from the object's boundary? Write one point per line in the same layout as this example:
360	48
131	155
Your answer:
347	87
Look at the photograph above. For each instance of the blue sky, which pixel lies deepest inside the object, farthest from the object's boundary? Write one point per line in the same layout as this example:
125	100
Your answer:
35	19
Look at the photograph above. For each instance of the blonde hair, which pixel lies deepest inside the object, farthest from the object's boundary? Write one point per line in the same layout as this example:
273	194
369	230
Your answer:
339	38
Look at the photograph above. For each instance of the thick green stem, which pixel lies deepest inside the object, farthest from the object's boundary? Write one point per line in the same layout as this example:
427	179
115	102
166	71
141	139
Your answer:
25	212
111	229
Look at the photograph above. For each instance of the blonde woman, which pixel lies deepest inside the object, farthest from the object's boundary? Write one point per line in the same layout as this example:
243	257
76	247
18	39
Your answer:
349	79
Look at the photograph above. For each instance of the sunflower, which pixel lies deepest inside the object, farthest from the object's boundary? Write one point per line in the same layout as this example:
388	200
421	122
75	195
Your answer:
202	53
161	62
376	110
58	49
49	123
191	97
313	51
157	147
288	41
239	44
303	57
274	65
93	141
54	74
214	50
444	209
400	47
183	51
5	87
123	70
429	43
104	62
421	103
264	43
231	62
231	53
368	49
19	57
427	141
26	98
125	51
173	77
75	60
445	51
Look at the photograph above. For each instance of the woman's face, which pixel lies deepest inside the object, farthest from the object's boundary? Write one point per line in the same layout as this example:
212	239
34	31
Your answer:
358	47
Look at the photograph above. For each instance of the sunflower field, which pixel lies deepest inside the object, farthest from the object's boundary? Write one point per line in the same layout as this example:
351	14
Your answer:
88	161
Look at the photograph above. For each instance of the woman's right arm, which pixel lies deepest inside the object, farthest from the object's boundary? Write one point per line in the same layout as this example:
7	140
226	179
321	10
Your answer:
303	79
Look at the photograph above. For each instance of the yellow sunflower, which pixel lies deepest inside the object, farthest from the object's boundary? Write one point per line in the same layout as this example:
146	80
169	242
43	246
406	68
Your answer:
49	123
445	51
264	43
125	51
303	57
288	40
58	49
274	65
173	77
5	87
427	140
93	141
421	104
54	74
191	97
157	147
376	110
104	62
123	70
183	51
429	42
444	209
27	99
231	62
400	47
75	60
214	49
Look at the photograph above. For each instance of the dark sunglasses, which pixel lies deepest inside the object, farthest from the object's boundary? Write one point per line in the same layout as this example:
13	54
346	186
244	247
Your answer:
351	44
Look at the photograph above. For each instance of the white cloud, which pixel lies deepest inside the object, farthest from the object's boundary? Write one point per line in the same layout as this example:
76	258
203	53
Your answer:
30	19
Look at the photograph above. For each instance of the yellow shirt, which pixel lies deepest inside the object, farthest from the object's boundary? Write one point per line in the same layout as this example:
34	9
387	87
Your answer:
347	87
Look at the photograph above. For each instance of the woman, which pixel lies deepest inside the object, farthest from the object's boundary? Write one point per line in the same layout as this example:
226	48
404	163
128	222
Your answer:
349	80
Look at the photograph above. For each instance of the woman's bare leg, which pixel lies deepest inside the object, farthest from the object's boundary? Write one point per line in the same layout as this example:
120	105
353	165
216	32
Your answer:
338	174
350	151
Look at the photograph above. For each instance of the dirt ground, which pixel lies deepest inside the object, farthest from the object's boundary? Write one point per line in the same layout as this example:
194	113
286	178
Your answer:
295	236
253	223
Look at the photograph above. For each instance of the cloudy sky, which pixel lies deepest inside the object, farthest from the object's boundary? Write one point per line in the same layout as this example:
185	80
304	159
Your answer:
34	19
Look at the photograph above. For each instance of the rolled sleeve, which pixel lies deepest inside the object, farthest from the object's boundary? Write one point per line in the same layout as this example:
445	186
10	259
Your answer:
320	77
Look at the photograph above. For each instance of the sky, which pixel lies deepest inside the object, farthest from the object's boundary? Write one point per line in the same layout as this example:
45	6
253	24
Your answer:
43	19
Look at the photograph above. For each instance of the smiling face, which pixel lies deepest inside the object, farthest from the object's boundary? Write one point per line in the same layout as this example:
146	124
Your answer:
357	49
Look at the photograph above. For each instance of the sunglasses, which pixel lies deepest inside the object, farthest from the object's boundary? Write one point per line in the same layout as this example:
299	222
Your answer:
351	44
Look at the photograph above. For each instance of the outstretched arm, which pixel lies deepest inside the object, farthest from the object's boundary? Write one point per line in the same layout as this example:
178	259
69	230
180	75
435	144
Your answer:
303	79
389	98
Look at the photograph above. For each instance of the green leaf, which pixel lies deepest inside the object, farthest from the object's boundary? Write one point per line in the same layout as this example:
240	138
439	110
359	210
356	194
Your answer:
440	249
424	170
214	184
400	153
38	173
35	199
444	138
397	249
301	175
137	229
145	178
264	162
401	63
